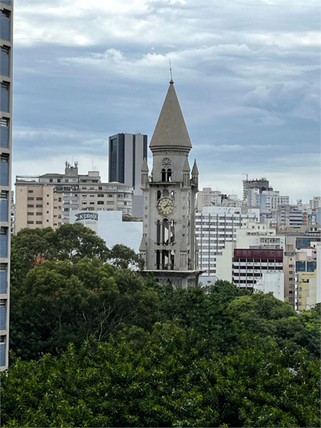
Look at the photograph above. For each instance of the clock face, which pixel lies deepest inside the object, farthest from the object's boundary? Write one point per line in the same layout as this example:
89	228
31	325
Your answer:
165	206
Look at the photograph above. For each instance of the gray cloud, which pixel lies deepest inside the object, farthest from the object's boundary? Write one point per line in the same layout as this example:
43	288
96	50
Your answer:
246	74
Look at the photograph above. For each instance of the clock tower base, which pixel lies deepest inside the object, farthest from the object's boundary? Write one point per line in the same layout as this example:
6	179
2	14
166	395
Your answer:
178	279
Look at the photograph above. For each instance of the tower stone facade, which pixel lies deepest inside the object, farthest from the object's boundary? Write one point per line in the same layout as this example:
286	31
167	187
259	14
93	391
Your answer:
168	245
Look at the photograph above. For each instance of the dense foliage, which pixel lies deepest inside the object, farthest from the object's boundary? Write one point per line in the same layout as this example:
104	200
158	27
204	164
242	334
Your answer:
141	354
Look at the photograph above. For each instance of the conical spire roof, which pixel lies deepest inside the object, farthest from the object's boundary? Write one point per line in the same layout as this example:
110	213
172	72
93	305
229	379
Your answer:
144	166
171	131
186	167
142	246
195	169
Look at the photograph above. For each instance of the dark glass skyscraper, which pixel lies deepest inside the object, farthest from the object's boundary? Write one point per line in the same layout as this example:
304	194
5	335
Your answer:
125	159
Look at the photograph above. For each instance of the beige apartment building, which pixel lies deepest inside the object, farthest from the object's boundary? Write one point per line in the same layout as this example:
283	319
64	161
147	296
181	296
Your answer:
37	206
47	200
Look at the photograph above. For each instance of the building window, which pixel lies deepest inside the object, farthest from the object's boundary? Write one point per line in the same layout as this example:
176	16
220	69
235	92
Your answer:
110	202
38	206
5	60
3	278
38	198
39	222
5	24
30	198
4	134
3	242
39	213
4	169
30	222
100	202
4	205
4	98
3	314
29	213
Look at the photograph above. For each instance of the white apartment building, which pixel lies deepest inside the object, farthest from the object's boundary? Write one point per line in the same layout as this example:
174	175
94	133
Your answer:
287	215
215	226
270	199
253	234
315	202
249	266
111	227
271	282
208	197
250	235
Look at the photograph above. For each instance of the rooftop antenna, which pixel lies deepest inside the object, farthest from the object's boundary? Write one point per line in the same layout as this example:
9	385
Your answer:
170	70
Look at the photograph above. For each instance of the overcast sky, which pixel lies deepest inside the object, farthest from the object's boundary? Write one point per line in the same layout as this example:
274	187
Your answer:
247	76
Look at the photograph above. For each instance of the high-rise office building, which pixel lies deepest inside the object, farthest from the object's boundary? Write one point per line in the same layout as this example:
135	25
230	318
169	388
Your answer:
260	184
125	160
6	37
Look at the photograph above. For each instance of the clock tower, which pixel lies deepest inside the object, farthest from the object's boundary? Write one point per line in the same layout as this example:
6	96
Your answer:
168	245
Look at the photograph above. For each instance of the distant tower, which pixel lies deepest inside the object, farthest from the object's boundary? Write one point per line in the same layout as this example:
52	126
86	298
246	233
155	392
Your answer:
6	80
168	244
125	158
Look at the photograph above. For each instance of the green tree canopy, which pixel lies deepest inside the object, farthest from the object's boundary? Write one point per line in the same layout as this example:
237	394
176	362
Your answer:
164	383
69	242
59	302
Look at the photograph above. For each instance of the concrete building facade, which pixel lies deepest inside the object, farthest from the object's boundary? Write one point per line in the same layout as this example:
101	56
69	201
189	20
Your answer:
6	88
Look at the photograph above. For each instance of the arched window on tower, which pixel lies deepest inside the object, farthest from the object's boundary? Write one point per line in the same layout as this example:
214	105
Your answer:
172	232
173	195
168	231
158	232
165	192
159	194
166	175
165	231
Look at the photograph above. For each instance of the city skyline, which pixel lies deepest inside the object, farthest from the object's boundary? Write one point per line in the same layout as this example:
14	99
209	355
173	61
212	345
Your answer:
246	75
